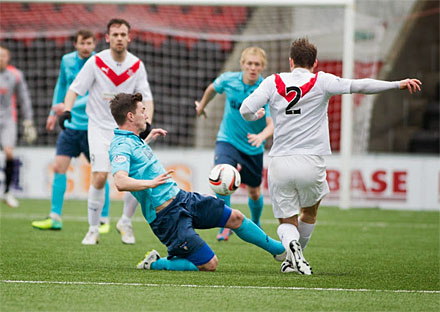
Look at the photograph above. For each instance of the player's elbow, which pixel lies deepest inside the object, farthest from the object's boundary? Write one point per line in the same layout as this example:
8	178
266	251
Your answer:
246	113
121	186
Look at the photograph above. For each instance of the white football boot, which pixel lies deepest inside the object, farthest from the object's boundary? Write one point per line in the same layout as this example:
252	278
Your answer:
126	231
150	257
296	258
10	200
91	238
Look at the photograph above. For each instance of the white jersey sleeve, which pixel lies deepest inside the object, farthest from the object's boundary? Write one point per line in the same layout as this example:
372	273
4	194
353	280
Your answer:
334	85
85	78
257	99
142	85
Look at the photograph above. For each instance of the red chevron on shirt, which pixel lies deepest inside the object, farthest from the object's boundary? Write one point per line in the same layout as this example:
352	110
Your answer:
305	88
116	79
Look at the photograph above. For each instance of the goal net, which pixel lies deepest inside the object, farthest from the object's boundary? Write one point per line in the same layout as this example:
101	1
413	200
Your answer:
184	48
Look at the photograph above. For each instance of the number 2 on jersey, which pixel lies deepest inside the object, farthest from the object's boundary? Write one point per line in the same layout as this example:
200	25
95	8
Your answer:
289	108
293	94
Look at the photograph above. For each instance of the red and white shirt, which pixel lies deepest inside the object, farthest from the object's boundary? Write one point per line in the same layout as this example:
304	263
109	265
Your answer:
298	105
104	78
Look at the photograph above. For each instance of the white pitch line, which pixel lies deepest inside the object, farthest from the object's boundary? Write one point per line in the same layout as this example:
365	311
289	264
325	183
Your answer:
225	286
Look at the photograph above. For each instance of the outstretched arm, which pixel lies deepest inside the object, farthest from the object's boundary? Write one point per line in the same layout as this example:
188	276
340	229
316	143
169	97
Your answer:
207	97
372	86
124	183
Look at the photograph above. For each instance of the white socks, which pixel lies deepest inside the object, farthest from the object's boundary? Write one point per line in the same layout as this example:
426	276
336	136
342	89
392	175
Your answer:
287	232
130	204
305	232
95	202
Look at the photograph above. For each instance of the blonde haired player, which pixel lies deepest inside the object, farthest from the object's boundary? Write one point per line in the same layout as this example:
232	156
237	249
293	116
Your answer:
240	142
297	171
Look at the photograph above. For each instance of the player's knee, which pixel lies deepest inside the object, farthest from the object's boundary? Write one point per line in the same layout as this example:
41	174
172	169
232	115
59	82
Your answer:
211	265
99	179
9	152
254	193
309	214
235	220
57	168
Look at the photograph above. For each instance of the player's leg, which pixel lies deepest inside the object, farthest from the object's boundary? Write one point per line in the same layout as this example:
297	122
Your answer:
283	173
104	220
224	233
8	139
252	233
225	153
83	144
256	203
95	202
68	146
124	225
99	143
9	198
203	259
251	175
59	183
312	187
306	223
187	251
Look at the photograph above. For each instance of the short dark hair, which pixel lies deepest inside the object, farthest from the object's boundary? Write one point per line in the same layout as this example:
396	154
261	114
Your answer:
123	103
85	34
117	21
303	53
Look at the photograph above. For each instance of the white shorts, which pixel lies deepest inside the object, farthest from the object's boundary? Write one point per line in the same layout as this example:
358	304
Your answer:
295	182
8	132
99	145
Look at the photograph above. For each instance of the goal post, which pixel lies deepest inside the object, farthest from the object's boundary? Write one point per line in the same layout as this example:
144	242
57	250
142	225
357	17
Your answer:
209	47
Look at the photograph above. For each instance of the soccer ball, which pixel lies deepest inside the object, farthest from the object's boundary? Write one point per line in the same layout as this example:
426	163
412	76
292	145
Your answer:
224	179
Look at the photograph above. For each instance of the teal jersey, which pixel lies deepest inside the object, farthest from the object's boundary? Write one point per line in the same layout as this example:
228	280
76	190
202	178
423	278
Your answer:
233	128
131	154
71	64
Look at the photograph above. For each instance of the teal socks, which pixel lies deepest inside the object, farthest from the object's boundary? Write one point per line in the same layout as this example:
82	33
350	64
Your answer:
58	189
174	264
251	233
105	208
256	208
226	198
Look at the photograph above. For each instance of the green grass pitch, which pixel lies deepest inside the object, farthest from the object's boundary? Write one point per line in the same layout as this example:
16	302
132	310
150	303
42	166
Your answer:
362	259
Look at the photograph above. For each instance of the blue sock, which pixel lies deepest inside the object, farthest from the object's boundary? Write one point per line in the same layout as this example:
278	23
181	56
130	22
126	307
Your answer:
251	233
174	264
227	200
256	208
58	189
105	208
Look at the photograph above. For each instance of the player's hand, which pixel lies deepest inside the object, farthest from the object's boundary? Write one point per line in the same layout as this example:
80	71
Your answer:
199	110
66	115
154	134
255	139
30	133
160	179
413	85
146	132
50	122
58	109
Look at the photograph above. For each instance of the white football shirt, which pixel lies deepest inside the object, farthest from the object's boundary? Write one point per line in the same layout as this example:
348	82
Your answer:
298	105
104	78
